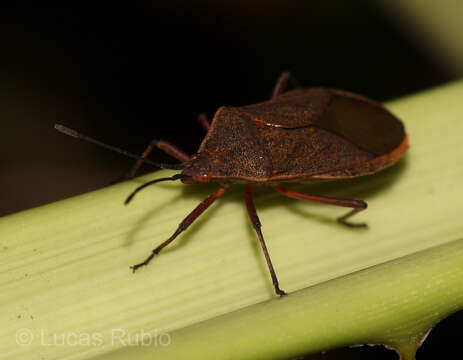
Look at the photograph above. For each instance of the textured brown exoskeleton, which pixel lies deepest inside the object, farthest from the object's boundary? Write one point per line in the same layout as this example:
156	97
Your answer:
304	135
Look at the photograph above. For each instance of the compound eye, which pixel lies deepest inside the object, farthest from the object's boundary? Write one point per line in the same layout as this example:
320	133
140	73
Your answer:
205	176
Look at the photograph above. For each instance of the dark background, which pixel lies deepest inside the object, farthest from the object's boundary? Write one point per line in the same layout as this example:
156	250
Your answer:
126	74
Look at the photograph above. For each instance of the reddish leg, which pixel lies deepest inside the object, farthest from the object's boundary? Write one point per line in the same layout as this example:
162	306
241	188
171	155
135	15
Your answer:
204	121
357	205
257	226
282	82
183	225
165	146
168	148
172	150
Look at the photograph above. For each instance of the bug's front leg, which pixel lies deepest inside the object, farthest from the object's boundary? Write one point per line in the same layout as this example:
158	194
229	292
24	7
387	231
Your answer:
356	205
168	148
165	146
183	225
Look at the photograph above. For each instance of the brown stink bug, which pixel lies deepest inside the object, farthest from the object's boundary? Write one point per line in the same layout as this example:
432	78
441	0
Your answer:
304	135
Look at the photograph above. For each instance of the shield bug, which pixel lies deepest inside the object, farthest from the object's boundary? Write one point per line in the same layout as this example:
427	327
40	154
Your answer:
304	135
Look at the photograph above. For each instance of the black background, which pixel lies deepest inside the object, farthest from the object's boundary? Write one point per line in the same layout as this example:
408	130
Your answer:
126	74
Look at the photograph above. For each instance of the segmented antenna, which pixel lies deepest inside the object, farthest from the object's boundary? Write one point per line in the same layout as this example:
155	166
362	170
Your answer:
73	133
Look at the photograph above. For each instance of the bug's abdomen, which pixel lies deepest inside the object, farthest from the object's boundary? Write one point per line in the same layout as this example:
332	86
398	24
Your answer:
308	151
365	124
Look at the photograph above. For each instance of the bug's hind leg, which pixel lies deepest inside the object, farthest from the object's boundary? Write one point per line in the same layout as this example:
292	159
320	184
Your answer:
183	225
282	82
342	219
257	226
356	205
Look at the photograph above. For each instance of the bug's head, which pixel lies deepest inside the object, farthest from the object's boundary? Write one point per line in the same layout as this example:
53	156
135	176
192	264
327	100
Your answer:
198	170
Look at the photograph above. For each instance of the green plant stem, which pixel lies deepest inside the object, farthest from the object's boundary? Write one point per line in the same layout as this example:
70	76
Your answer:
367	307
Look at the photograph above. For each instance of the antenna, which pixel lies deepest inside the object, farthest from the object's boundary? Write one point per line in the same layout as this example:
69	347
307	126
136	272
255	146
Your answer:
73	133
175	177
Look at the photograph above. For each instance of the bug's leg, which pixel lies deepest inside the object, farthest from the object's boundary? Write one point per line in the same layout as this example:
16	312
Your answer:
356	205
282	82
183	225
168	148
165	146
257	226
171	149
204	121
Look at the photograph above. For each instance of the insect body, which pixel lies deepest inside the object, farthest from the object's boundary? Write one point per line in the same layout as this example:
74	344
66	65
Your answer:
305	135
